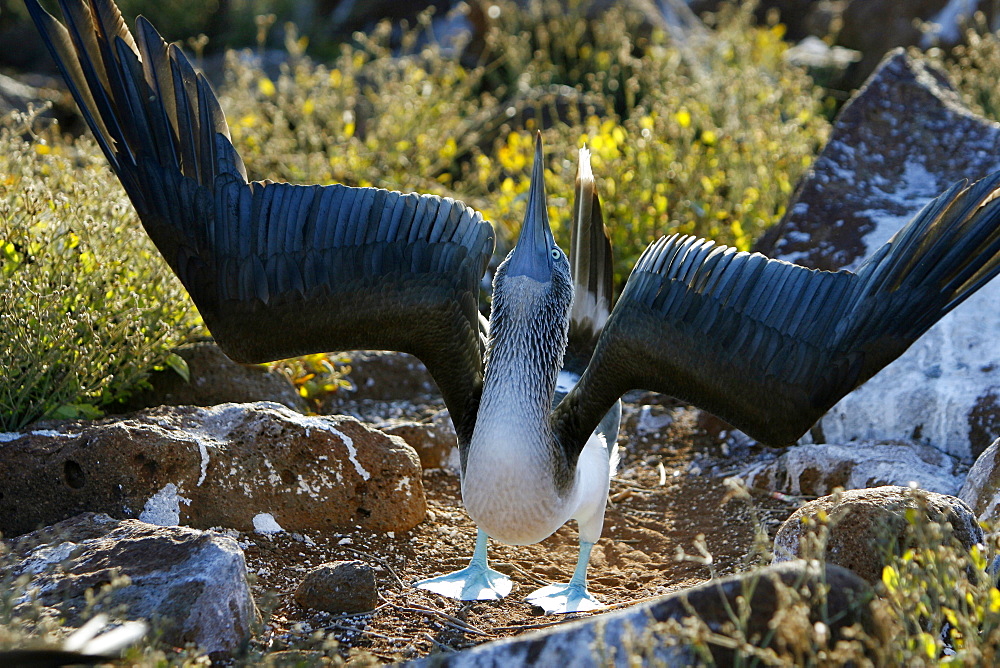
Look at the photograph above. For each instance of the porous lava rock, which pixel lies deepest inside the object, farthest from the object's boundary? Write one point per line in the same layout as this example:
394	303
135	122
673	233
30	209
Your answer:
434	440
867	526
207	467
633	636
386	376
339	586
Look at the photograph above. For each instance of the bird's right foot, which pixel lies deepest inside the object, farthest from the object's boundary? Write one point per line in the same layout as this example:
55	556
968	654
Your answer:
475	582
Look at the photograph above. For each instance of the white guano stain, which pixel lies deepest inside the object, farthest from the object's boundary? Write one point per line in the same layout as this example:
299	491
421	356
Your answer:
203	451
164	508
47	555
308	423
52	433
403	485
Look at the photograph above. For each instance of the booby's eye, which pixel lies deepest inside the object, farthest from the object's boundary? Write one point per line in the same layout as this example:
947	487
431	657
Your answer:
556	253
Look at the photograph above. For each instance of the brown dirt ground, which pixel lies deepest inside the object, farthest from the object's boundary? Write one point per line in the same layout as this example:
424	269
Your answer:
647	523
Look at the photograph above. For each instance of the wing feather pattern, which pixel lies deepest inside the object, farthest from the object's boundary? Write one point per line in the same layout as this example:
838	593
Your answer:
770	346
276	270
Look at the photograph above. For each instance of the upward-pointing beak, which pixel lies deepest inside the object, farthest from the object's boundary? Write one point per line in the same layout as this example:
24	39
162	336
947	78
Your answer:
532	257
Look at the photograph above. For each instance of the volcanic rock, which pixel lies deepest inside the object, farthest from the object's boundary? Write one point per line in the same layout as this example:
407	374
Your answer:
435	440
816	470
340	586
633	636
190	585
866	526
982	485
214	379
387	376
206	467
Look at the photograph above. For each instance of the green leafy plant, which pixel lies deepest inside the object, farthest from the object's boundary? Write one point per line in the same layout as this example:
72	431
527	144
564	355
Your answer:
316	377
974	66
87	306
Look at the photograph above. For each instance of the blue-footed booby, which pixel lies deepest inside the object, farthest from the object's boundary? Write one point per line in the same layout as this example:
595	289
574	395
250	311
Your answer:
766	345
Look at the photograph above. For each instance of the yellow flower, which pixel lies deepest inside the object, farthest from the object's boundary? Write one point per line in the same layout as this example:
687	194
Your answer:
266	87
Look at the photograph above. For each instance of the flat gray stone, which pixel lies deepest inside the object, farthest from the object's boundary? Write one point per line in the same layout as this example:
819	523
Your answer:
190	585
631	637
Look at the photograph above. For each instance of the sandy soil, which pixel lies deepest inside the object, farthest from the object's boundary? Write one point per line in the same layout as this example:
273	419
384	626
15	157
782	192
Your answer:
669	490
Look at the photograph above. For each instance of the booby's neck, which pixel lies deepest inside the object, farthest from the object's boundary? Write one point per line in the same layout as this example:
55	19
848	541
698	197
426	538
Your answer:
515	467
528	334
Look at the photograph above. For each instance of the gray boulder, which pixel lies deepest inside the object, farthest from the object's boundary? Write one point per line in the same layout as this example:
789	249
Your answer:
190	585
214	379
899	142
981	489
235	465
816	470
386	376
637	636
868	525
434	440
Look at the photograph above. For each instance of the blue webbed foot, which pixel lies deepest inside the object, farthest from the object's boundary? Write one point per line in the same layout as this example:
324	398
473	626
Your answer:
472	583
562	598
475	582
570	597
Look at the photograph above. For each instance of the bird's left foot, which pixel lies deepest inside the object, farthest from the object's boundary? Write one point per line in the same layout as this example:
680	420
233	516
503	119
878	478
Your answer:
562	598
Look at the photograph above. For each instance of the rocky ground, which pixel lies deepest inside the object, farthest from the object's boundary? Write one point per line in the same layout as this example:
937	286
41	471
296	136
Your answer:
669	491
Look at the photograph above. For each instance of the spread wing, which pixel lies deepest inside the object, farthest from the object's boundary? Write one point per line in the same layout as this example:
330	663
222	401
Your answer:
276	270
770	346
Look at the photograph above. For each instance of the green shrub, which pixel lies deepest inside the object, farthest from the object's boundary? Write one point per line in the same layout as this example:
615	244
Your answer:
974	68
87	306
713	140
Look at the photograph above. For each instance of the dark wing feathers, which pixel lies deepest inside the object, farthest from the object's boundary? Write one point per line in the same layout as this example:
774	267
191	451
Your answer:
771	346
276	270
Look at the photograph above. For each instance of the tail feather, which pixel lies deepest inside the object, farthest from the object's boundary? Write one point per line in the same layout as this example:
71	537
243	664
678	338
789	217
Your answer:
591	264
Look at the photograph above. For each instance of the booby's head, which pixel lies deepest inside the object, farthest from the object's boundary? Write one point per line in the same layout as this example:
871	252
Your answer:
536	255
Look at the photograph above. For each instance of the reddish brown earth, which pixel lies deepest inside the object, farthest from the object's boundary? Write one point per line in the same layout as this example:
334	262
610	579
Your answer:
647	523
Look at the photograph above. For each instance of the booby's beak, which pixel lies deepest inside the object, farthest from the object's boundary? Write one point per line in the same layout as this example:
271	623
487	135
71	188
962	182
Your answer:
532	257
